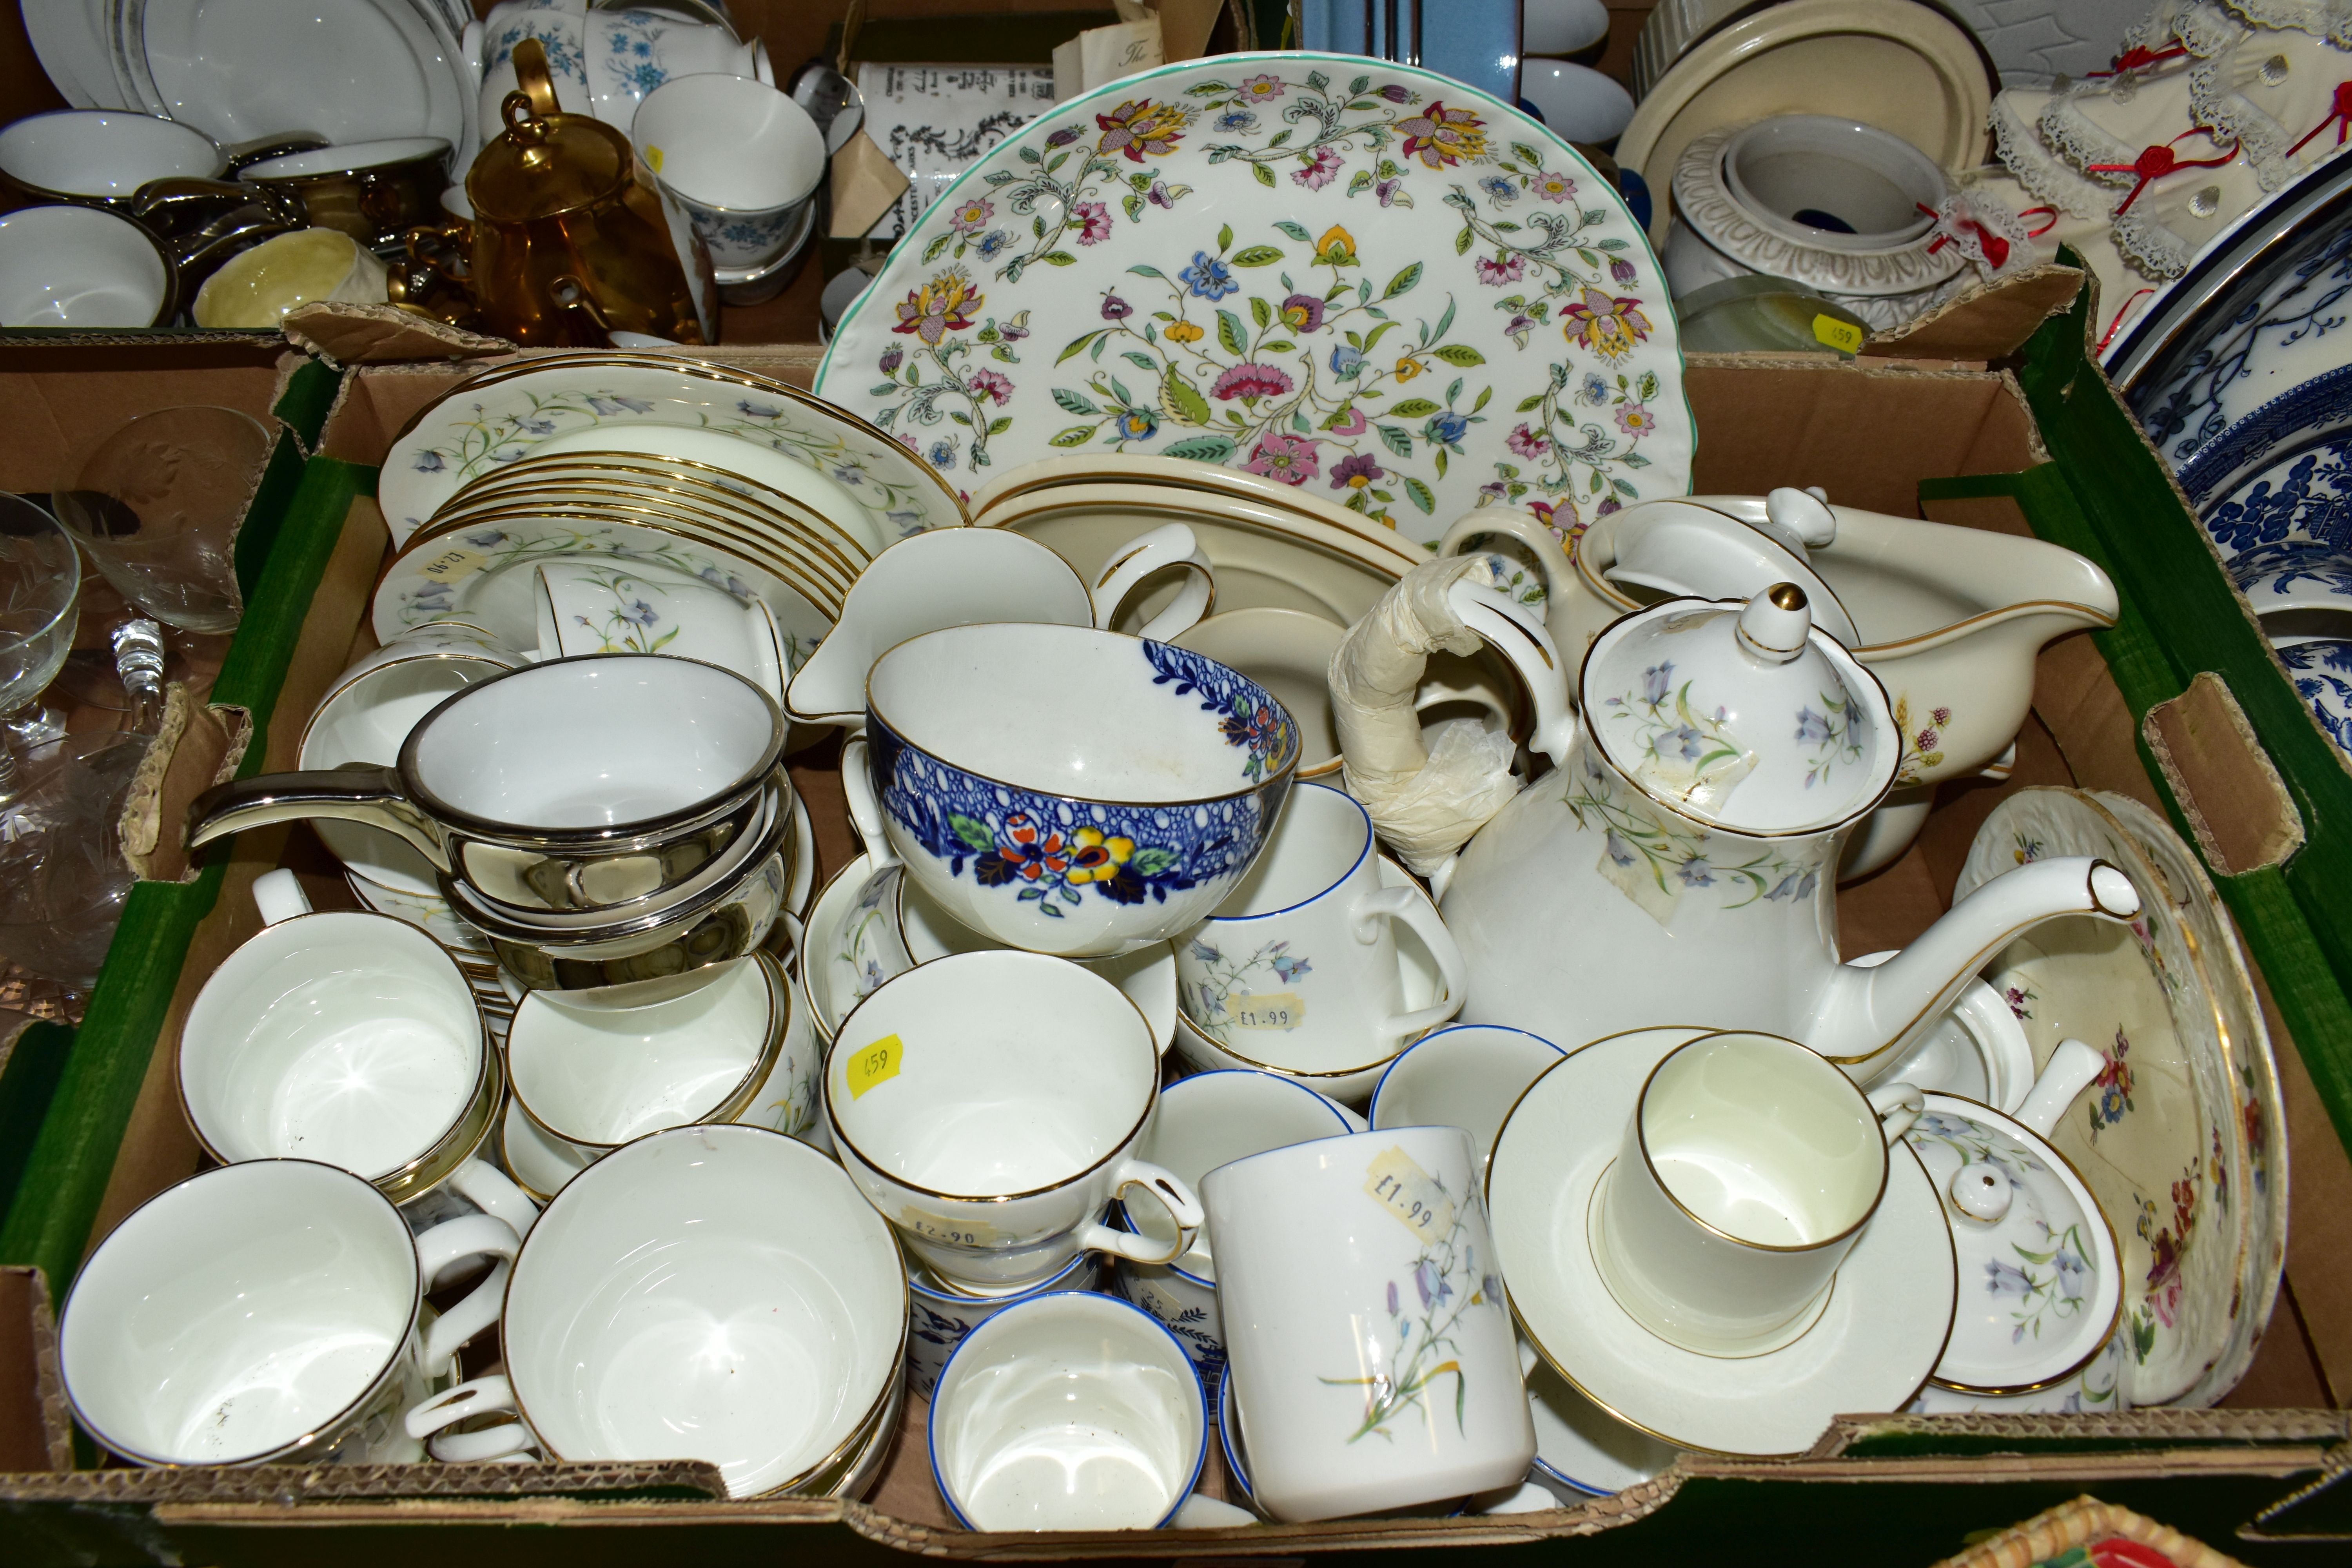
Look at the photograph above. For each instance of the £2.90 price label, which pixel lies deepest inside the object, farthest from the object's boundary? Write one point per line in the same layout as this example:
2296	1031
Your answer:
1267	1010
1413	1198
874	1064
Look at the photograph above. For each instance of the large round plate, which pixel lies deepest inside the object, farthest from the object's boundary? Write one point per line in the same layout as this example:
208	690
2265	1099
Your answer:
2160	1137
65	38
1882	1330
239	70
2277	475
482	575
1343	273
502	415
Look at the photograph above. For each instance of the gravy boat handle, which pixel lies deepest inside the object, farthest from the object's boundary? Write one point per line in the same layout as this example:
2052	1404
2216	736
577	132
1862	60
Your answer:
357	792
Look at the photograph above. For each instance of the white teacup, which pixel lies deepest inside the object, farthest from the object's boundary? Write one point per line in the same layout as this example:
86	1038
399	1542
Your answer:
268	1311
599	1069
742	158
1072	1411
349	1037
943	1317
1207	1120
1750	1167
1363	1298
102	154
970	576
83	268
1297	968
990	1104
1468	1076
716	1293
591	606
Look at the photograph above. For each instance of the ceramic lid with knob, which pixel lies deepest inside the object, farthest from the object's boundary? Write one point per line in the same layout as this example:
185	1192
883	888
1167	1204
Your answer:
1740	714
2041	1281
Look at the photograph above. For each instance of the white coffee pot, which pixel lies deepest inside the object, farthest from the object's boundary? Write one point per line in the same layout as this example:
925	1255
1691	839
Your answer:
1678	865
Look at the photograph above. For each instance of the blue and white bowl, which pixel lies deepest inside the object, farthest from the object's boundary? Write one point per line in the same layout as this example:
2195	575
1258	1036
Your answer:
2322	672
1070	791
2300	590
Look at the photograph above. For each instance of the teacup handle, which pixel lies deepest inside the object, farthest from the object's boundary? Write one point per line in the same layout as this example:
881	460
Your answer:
1173	545
864	809
490	1189
279	897
1898	1106
474	1235
1172	1192
483	1397
1407	905
1542	546
1525	643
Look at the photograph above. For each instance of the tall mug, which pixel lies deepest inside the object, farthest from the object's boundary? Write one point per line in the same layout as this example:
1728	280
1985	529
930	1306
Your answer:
1371	1347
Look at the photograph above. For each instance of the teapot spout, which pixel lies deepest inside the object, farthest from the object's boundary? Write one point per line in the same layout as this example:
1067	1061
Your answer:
1866	1011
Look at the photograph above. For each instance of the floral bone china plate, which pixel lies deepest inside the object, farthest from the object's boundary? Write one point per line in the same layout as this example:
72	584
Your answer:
1338	272
2161	1136
503	415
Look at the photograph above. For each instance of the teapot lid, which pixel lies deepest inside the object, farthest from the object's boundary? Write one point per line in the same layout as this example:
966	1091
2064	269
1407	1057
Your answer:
548	161
2041	1281
1740	714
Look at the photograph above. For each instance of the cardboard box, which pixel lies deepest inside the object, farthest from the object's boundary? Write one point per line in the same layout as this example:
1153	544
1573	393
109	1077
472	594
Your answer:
2255	1480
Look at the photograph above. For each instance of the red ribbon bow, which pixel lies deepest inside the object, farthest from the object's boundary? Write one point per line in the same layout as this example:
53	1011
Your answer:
2339	115
2139	55
1996	246
2155	162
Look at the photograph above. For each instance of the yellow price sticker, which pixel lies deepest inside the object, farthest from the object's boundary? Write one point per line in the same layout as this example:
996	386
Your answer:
449	565
1284	1010
1411	1195
874	1064
1842	336
653	156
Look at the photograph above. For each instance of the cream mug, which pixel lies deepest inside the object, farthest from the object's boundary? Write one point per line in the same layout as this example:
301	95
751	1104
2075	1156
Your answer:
271	1312
1297	968
1750	1167
351	1039
990	1104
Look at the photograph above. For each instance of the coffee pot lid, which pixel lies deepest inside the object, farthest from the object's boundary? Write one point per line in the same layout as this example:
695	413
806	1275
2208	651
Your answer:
2040	1280
1740	714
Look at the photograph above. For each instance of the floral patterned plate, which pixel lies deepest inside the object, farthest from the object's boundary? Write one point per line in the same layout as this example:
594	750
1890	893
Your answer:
483	574
1330	270
2158	1136
503	414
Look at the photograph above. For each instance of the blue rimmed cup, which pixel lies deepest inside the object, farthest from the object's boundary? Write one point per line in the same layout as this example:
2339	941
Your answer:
1068	1411
1064	790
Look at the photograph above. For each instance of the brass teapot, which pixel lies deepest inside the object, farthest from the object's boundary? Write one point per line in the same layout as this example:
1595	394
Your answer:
571	239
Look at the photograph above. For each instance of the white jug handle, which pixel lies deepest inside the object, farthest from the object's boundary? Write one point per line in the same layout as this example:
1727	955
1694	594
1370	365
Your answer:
279	897
494	1193
474	1235
483	1397
1898	1106
1523	641
2071	1070
1551	562
1166	1188
1171	545
864	809
1406	904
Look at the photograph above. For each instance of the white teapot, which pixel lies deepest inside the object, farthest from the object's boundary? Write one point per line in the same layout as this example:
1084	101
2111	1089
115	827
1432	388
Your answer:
1677	866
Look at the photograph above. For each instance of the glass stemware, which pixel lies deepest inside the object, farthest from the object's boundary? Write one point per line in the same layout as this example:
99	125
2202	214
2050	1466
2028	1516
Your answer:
158	506
40	585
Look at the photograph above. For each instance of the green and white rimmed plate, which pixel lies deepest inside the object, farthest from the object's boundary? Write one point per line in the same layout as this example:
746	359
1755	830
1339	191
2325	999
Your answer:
2180	1137
504	414
1331	270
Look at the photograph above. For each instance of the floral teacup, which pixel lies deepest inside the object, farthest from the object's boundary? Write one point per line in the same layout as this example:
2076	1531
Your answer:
742	158
603	63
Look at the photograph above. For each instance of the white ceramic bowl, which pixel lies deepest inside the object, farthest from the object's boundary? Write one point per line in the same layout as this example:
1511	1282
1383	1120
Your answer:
1577	103
80	268
102	154
717	1293
1071	791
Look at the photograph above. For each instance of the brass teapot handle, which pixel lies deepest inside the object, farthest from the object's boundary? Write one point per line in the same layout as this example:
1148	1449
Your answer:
442	247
